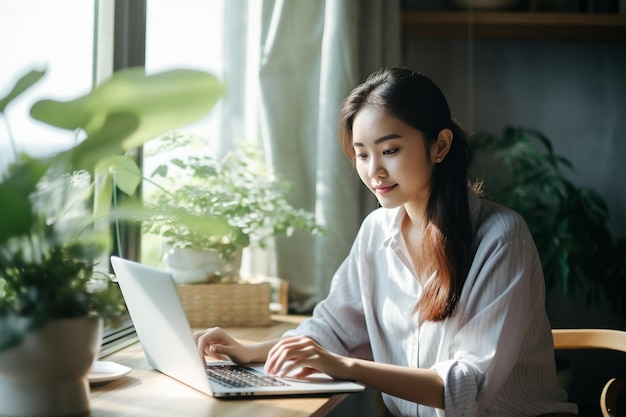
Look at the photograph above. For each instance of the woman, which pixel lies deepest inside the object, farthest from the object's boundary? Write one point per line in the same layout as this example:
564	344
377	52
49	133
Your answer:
440	303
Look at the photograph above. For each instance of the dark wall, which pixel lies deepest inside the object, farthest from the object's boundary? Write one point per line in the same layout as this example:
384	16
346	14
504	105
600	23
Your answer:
574	92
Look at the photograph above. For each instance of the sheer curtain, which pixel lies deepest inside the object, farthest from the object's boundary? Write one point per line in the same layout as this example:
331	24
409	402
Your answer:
286	83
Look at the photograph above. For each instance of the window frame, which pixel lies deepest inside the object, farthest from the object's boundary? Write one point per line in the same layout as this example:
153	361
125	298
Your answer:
126	20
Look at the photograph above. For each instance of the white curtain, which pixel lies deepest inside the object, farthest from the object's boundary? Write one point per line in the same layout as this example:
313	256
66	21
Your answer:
286	84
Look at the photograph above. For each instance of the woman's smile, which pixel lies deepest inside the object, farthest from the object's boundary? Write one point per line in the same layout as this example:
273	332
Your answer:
382	190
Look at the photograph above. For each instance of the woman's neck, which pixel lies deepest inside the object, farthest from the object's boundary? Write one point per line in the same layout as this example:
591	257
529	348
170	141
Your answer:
413	227
415	218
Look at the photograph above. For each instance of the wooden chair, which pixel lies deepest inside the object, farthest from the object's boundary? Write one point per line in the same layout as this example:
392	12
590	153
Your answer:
595	339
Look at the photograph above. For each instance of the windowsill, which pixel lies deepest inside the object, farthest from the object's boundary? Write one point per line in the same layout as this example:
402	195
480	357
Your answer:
117	345
115	339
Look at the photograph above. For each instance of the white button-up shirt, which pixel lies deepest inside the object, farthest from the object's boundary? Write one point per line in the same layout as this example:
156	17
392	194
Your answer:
494	354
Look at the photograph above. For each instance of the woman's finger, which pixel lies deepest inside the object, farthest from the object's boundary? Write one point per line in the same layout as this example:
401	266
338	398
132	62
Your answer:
304	372
211	337
219	352
280	353
290	355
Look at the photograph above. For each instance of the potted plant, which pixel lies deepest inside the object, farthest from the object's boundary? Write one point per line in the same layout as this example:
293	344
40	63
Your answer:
237	188
569	223
52	299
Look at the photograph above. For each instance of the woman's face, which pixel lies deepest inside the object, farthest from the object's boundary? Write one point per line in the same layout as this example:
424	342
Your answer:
391	158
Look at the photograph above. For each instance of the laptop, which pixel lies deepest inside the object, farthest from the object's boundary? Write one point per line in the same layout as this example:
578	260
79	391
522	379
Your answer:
167	340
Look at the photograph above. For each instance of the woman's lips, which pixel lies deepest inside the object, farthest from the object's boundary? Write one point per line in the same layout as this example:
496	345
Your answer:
384	190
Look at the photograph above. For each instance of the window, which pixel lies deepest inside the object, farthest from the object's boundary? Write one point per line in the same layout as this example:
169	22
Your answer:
182	34
38	34
222	38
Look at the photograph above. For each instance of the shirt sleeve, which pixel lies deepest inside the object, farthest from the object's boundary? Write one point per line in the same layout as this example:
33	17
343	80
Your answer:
499	303
338	322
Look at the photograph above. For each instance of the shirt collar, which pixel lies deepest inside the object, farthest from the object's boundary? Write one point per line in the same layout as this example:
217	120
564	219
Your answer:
393	233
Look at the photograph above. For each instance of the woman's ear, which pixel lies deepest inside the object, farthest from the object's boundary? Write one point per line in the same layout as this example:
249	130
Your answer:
440	148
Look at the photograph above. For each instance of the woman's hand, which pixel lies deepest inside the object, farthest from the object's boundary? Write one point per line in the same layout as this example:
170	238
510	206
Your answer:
217	344
298	357
306	356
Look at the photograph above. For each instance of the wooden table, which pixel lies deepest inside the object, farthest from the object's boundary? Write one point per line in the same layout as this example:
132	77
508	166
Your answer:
146	392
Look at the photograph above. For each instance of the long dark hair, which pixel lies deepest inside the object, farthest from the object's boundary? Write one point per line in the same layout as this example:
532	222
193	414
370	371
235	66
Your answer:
447	244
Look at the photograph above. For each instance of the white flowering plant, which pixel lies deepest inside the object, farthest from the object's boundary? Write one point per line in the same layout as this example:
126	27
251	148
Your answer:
49	244
237	188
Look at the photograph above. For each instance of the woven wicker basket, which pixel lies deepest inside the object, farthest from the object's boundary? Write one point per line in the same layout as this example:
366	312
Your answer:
226	304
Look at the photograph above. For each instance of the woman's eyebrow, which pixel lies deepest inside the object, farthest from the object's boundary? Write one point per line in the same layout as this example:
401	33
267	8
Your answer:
380	140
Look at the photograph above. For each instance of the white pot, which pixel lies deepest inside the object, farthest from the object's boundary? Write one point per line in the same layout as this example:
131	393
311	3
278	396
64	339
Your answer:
46	374
194	266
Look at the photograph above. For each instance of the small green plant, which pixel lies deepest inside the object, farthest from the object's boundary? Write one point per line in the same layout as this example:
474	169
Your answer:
569	223
236	188
46	273
48	240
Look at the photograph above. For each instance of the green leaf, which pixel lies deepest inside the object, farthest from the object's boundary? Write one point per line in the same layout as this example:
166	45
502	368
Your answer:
100	144
23	84
102	194
145	105
14	192
15	206
202	224
125	171
205	225
119	170
160	171
542	138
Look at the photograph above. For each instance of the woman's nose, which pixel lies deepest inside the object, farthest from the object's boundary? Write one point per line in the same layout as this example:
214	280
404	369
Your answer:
375	168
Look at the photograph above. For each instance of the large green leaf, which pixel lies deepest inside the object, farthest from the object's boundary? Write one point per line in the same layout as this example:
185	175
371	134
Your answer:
101	144
131	108
202	224
23	84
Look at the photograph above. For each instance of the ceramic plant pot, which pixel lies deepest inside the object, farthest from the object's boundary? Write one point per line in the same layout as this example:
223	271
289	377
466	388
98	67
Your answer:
46	374
195	266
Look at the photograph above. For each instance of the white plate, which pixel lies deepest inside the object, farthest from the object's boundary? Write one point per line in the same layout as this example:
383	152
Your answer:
104	371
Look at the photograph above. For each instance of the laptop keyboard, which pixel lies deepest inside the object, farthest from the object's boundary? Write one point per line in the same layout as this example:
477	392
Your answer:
236	376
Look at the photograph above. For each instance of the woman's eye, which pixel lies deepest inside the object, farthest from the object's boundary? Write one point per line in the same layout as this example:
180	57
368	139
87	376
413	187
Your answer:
390	151
361	156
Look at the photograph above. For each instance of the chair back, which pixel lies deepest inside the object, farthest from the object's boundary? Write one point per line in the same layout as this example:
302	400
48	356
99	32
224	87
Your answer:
567	339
